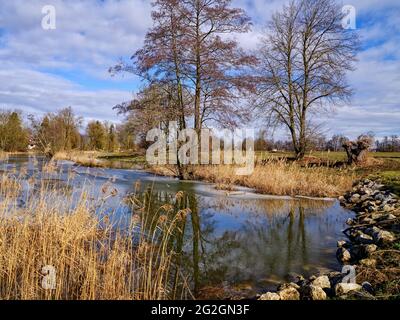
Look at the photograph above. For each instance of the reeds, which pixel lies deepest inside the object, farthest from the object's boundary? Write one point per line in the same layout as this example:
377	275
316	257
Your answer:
83	158
52	247
281	178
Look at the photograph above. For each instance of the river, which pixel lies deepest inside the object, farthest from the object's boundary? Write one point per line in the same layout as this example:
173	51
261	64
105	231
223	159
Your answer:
244	241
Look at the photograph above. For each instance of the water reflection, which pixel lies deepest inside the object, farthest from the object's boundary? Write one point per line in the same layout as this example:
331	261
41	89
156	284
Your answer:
224	241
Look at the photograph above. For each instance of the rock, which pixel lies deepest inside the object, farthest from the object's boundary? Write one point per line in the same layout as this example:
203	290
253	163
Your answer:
383	237
343	255
369	248
372	231
270	296
312	292
344	288
342	243
335	277
364	238
386	207
288	285
365	197
368	262
376	216
368	287
289	293
342	199
322	282
390	217
379	197
367	220
355	198
349	221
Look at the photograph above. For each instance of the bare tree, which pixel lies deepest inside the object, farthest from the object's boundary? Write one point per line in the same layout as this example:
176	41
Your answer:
304	57
190	52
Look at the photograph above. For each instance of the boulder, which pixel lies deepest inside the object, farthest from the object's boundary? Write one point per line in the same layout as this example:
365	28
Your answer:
343	255
383	237
312	292
369	248
335	277
270	296
289	293
364	238
341	243
344	288
322	282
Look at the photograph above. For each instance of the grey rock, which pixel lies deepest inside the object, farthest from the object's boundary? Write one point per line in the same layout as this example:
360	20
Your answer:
379	197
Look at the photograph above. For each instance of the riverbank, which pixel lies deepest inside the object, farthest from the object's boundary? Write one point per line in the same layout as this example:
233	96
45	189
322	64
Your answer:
370	254
320	175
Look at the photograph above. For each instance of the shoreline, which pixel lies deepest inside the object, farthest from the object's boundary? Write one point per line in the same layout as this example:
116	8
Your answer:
373	231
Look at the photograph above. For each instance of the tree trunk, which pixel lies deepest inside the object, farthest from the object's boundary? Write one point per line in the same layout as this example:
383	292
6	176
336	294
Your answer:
357	151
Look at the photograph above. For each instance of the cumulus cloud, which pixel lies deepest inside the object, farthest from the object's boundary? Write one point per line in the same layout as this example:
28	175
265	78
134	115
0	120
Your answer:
37	93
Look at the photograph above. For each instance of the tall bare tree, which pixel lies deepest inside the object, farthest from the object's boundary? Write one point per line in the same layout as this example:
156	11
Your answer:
304	56
190	52
216	63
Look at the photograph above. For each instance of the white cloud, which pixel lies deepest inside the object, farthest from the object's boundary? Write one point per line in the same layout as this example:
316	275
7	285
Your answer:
37	93
92	35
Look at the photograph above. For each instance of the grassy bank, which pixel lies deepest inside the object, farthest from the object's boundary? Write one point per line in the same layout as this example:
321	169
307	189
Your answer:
321	174
103	159
58	249
275	178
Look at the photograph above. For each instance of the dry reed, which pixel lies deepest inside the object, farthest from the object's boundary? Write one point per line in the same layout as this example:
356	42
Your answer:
91	258
282	178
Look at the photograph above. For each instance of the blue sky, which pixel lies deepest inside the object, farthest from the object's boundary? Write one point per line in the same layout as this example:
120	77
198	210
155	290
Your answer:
44	70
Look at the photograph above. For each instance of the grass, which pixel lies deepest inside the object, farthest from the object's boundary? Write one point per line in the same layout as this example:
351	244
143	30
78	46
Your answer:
90	257
102	159
282	178
318	175
391	179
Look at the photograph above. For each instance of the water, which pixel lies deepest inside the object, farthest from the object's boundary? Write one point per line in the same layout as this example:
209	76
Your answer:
238	241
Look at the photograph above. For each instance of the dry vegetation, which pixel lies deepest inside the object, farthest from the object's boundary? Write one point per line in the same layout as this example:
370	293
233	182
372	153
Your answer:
84	158
276	178
92	258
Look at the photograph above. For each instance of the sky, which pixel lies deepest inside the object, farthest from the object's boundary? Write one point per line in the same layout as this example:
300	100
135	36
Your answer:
46	70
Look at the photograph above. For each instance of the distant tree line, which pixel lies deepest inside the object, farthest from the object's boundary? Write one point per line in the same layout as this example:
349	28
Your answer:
388	144
64	131
61	131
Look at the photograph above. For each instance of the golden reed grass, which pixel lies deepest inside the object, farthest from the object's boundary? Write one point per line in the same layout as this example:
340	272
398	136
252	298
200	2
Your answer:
277	177
282	178
92	259
84	158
